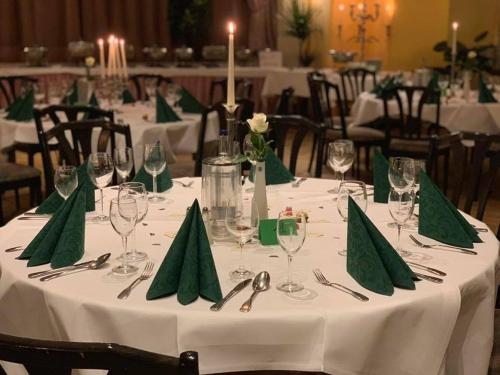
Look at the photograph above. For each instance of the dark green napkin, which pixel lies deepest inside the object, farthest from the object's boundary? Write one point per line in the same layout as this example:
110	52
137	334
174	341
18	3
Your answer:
380	178
163	111
485	95
189	103
61	241
14	107
23	111
54	200
276	172
71	98
371	260
93	101
267	232
435	91
440	220
127	97
188	267
164	180
386	84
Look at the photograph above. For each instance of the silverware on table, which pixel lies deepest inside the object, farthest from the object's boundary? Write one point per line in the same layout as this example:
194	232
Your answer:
426	268
298	182
34	214
14	249
481	230
260	284
438	246
238	288
432	279
146	274
103	257
95	264
189	184
323	280
34	217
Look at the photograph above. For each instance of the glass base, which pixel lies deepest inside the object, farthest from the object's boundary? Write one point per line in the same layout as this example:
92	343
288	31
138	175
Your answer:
290	287
404	253
241	274
156	199
134	256
333	191
100	219
342	252
392	225
124	271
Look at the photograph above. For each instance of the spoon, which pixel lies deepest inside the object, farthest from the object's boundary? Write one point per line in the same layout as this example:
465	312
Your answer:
103	257
260	284
95	264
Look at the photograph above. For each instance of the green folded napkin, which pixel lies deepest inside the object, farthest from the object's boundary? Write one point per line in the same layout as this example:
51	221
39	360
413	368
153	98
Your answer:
24	110
440	220
127	97
54	200
188	268
386	83
61	241
15	105
164	180
189	103
163	111
71	97
93	101
380	178
485	95
435	91
371	260
276	172
267	232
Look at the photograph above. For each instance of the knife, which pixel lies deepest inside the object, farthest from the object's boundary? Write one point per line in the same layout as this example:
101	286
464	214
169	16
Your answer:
67	268
217	306
428	269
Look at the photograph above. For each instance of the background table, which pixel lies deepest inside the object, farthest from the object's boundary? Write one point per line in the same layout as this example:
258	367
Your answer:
436	329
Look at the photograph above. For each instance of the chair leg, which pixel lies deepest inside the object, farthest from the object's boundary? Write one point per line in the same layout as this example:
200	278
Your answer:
18	200
446	170
358	155
315	140
367	159
1	211
31	159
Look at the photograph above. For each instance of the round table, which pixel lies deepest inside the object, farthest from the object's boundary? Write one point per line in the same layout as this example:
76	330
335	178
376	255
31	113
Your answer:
436	329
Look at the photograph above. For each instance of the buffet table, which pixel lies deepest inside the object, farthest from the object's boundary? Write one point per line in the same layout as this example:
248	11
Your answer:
436	329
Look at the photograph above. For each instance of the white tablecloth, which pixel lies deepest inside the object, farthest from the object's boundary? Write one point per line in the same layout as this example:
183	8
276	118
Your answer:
456	114
435	329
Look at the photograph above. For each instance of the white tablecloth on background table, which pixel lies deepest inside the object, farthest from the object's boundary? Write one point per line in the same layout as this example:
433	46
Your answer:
435	329
455	115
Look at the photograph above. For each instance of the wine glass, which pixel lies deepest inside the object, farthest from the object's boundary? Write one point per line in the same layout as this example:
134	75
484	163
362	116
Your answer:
401	174
39	94
412	223
340	158
137	191
357	191
100	169
123	217
124	162
240	223
291	233
401	208
151	87
173	94
65	180
443	84
155	163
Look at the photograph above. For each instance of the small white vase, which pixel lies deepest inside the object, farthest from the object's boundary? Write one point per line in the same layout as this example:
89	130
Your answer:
467	78
259	190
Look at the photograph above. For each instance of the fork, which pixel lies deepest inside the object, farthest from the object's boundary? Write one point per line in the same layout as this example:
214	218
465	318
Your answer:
322	280
146	274
189	184
437	247
297	183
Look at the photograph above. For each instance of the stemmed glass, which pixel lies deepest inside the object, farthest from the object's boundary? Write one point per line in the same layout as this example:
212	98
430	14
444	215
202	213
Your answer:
100	169
124	162
137	191
412	223
154	164
123	217
239	223
340	158
401	176
291	233
150	86
357	191
173	94
401	208
443	84
65	180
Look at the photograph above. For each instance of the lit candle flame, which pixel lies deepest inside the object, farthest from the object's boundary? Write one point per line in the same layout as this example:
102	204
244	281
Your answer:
100	41
111	39
454	25
361	6
231	27
122	41
341	7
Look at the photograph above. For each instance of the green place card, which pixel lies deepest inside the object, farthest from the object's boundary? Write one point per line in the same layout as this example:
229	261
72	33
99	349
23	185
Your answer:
267	232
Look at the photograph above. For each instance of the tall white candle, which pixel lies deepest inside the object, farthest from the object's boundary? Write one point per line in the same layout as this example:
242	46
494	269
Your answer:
117	59
124	58
102	62
230	67
454	26
110	55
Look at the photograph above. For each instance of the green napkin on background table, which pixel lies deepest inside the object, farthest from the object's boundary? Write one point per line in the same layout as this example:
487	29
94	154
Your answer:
189	103
385	85
14	107
188	268
380	178
71	98
93	101
371	260
23	110
164	180
485	95
433	85
61	241
440	220
163	111
276	172
54	200
127	97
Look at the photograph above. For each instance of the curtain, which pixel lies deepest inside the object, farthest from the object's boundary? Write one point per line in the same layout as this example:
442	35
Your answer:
262	30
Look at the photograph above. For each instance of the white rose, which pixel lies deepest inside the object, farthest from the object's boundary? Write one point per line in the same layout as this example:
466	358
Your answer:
472	55
89	61
258	123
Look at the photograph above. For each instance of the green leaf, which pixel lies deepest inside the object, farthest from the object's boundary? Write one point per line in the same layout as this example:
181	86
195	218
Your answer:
441	47
481	36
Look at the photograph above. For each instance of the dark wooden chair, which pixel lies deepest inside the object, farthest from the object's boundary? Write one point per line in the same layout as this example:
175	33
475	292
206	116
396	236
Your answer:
138	81
11	86
285	102
243	89
353	82
42	357
80	147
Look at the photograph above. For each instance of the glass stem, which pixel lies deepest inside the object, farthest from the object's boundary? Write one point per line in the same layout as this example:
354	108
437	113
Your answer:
134	243
241	267
124	256
341	177
102	202
289	279
399	236
155	188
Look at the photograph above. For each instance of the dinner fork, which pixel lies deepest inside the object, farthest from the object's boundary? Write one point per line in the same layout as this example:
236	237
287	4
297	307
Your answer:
189	184
146	274
437	246
322	280
297	183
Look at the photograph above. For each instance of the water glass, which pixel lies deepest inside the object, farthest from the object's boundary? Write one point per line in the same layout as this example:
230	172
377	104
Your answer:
401	174
340	158
291	233
124	162
138	192
65	180
412	223
151	87
239	223
100	170
357	191
155	163
401	208
123	217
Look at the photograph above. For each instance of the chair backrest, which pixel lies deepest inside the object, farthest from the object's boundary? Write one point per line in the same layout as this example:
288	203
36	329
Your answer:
12	86
354	81
243	89
59	358
80	147
284	101
139	83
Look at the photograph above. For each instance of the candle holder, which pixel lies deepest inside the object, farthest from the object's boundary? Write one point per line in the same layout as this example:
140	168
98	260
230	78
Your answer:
359	13
231	127
452	68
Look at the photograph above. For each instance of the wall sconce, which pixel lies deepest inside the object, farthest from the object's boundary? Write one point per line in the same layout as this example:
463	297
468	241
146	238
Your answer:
389	15
341	17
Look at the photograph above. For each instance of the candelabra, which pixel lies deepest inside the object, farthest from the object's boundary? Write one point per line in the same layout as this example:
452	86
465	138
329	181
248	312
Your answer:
359	13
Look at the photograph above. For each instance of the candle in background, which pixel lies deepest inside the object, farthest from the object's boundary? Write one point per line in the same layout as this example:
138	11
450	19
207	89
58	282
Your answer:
102	63
230	67
110	55
124	58
454	26
117	59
